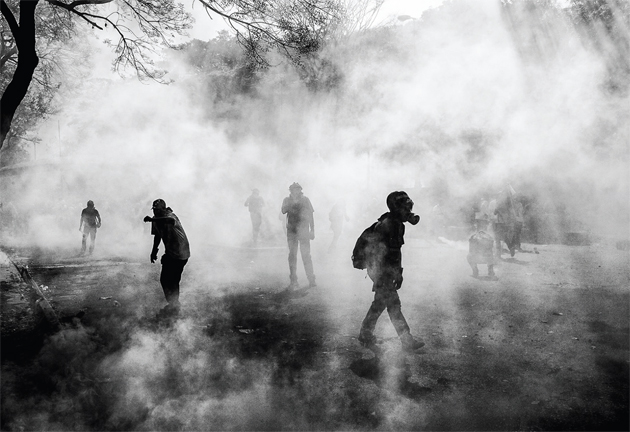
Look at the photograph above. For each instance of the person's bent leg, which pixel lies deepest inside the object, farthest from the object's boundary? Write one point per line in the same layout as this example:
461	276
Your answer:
409	343
366	335
293	249
170	277
92	239
256	223
473	265
305	251
392	301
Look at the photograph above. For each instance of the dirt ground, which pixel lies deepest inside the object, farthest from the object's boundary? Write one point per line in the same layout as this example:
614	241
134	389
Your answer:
546	347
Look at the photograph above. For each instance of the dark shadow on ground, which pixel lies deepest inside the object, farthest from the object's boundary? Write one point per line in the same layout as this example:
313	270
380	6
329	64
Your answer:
391	376
485	278
515	261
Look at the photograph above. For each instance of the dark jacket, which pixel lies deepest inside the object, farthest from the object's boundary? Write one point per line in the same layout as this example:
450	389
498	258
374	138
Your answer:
385	269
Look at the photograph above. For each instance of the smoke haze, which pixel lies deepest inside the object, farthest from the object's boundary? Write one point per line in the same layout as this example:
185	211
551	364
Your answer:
465	101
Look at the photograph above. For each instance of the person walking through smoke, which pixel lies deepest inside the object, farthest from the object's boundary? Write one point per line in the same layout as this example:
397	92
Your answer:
384	267
255	203
166	227
89	223
337	217
300	231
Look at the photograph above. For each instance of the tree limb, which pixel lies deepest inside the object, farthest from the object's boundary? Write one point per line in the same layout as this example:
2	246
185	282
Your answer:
7	55
8	15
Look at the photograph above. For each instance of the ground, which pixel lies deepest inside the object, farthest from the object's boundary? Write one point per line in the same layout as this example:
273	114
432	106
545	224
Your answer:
545	347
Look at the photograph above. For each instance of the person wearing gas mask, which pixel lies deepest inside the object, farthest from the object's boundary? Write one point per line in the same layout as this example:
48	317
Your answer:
166	228
300	231
385	270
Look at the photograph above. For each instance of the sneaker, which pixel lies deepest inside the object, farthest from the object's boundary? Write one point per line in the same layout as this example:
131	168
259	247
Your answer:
292	286
367	341
312	284
410	344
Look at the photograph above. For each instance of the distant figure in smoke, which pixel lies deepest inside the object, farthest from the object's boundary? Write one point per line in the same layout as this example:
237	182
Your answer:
519	220
255	203
166	227
300	230
337	217
384	267
90	222
482	215
480	251
438	220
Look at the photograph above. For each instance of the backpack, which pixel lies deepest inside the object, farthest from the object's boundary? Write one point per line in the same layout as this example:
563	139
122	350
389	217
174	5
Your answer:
365	247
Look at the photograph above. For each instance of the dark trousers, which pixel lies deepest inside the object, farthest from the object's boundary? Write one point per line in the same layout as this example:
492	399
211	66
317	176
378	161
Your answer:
504	232
91	231
170	276
256	222
385	297
293	241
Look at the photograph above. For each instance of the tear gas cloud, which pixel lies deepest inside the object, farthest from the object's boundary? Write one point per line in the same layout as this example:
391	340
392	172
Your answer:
398	121
460	99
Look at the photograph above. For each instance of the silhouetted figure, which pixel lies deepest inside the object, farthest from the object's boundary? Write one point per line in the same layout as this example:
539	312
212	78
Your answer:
166	227
480	251
300	231
255	203
90	222
337	217
384	267
482	215
518	224
505	222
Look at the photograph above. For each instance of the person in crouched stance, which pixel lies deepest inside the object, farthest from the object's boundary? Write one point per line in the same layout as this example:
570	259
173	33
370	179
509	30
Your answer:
384	267
166	228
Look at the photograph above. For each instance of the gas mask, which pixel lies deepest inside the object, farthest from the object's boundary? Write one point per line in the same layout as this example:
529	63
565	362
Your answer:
400	203
408	215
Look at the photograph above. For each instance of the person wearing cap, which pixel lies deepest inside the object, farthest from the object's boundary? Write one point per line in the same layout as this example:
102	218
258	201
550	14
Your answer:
300	232
255	203
166	228
385	270
89	223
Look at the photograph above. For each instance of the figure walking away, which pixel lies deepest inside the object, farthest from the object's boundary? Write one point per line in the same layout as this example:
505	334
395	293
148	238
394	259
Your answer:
166	228
300	231
384	267
255	203
90	222
337	217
